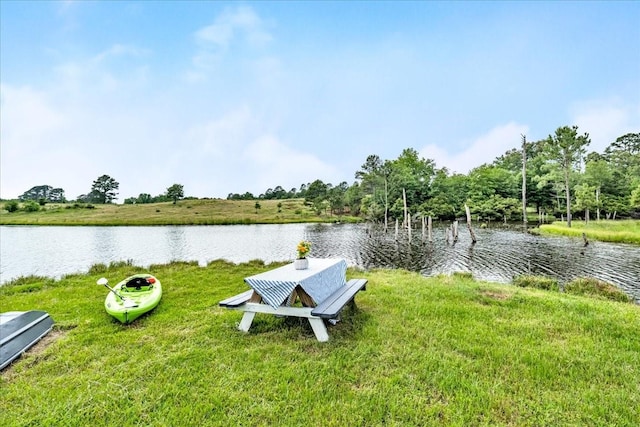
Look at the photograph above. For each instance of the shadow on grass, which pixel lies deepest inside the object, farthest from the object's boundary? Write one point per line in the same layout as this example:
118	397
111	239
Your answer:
351	322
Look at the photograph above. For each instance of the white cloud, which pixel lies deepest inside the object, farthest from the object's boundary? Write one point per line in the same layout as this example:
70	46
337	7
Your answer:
35	138
119	50
218	136
27	116
239	152
273	163
481	150
214	40
116	69
240	21
605	121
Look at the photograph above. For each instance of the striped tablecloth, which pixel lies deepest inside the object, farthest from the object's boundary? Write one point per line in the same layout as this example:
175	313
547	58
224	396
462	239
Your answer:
323	276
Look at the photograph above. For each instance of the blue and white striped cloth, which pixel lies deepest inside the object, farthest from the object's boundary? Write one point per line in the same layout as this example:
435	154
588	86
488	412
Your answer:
323	276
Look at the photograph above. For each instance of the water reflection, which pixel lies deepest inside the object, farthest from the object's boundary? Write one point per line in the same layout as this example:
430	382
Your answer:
499	254
104	243
177	243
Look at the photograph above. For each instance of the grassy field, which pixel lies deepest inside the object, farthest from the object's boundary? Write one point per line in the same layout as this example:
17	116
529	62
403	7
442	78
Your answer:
185	212
619	231
417	351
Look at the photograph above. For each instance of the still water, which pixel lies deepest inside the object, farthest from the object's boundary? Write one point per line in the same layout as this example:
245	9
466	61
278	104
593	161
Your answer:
498	255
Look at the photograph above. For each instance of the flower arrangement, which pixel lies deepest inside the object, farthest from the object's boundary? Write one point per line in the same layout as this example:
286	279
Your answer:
304	247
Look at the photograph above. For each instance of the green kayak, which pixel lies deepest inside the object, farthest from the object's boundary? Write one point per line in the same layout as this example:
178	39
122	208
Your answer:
132	297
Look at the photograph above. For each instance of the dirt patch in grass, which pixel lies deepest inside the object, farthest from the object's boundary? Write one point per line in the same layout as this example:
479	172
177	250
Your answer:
34	352
500	296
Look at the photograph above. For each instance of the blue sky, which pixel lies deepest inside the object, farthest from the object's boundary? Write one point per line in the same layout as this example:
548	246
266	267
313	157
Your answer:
228	97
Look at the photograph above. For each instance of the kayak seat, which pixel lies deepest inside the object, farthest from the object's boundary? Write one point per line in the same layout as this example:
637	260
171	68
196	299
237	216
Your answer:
137	283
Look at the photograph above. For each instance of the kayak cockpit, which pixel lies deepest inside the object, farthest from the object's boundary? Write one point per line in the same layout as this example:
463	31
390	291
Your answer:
139	284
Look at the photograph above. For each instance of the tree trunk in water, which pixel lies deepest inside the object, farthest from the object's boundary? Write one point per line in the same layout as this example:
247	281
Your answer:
524	180
386	205
404	201
566	190
454	227
429	229
473	236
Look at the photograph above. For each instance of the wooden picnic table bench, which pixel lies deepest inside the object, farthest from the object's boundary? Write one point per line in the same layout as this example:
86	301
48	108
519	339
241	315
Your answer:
251	302
333	305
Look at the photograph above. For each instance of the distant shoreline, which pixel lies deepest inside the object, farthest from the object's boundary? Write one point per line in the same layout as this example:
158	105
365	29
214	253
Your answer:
184	212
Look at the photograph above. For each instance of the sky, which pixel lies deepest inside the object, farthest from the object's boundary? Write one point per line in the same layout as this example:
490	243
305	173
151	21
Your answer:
230	97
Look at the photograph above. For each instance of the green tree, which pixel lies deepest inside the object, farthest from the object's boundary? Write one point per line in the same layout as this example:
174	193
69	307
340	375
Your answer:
413	175
44	192
374	181
487	180
257	206
104	189
370	174
585	199
316	193
144	198
597	174
337	197
496	207
623	156
353	198
540	190
94	196
370	209
635	199
565	149
175	192
448	195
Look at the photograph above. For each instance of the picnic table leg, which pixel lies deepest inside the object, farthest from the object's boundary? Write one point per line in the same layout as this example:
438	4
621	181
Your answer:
319	329
247	320
305	299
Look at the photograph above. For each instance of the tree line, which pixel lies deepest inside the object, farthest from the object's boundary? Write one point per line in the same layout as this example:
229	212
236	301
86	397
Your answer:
103	191
554	176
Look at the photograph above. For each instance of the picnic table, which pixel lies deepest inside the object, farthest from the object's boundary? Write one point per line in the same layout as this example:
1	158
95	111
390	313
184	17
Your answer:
322	290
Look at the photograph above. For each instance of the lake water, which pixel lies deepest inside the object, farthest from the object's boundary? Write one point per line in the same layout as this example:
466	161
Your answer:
498	255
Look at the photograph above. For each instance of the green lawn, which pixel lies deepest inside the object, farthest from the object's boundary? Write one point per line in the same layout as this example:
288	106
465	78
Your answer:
619	231
417	351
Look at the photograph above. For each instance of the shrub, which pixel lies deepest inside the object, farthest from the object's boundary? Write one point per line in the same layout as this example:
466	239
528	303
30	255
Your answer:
98	268
538	282
31	206
463	275
120	264
11	206
27	280
595	287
